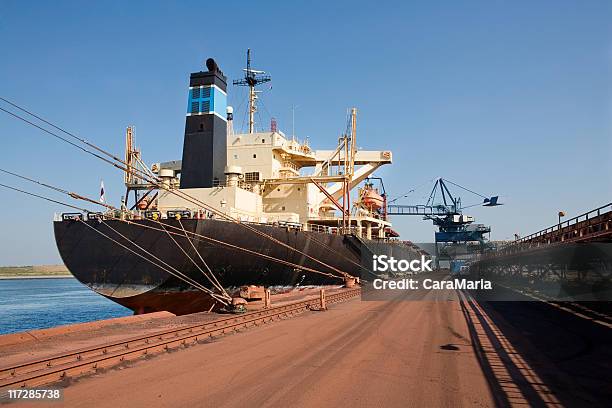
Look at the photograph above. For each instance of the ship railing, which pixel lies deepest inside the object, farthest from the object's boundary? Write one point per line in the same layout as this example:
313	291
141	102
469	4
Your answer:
338	230
319	228
245	185
164	215
290	165
188	214
296	226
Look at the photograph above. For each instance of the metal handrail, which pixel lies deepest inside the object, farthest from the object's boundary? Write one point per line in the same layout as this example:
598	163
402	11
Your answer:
560	226
559	230
399	209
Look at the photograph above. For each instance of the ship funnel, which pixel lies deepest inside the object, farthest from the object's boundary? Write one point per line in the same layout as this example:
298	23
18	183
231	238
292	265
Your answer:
205	142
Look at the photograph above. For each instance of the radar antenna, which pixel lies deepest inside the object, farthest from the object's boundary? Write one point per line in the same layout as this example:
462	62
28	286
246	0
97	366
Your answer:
252	78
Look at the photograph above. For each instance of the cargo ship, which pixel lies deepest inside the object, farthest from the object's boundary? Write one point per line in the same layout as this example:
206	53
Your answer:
255	208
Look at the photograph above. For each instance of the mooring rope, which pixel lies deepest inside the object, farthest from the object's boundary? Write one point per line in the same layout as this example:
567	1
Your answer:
168	268
179	275
212	282
198	252
216	241
154	181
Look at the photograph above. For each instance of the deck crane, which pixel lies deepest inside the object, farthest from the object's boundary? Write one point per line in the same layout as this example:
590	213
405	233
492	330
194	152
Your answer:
455	229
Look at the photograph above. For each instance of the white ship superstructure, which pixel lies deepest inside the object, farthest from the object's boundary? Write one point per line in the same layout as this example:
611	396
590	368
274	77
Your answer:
271	178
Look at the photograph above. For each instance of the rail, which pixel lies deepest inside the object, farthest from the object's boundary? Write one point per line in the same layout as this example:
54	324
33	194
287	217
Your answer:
441	210
199	215
560	226
243	184
359	231
57	368
592	225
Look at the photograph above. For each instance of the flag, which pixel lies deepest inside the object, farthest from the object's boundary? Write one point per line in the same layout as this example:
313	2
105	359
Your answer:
102	197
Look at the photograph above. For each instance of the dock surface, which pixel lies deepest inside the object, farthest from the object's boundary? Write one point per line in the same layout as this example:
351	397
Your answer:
443	350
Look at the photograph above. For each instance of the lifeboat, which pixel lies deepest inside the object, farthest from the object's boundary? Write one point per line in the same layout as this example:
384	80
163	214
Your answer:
143	204
372	199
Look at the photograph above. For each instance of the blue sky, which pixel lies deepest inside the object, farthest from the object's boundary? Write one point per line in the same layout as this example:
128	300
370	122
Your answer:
505	97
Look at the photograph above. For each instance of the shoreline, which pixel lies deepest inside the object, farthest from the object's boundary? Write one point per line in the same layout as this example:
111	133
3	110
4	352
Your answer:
36	277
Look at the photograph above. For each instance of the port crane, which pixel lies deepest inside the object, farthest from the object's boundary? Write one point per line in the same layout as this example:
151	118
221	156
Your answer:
455	229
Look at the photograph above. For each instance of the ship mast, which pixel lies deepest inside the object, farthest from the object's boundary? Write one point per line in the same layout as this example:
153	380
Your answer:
252	78
130	152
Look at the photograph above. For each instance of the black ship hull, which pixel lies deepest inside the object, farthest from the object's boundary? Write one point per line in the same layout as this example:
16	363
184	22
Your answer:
117	259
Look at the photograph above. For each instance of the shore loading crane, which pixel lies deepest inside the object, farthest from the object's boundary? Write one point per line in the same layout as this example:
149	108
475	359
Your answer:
456	230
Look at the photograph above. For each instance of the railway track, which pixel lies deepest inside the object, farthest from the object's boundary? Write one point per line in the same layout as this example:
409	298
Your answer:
90	360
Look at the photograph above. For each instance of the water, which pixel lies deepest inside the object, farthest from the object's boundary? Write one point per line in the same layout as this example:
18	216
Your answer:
27	304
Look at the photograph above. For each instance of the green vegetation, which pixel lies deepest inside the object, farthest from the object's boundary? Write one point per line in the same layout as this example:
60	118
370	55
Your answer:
33	270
